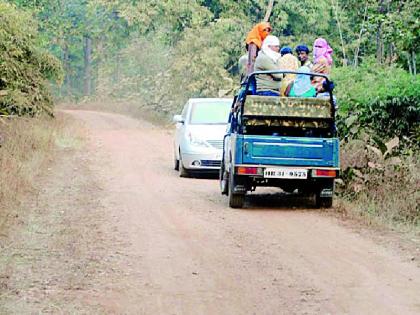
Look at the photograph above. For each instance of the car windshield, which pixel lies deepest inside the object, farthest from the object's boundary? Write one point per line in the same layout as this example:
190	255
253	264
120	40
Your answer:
210	113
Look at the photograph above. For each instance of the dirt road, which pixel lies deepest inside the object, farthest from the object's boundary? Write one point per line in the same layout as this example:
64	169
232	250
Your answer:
134	238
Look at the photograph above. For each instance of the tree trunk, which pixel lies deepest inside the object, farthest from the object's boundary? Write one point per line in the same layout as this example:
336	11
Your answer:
117	73
67	78
414	60
269	10
379	45
335	6
359	40
379	39
87	84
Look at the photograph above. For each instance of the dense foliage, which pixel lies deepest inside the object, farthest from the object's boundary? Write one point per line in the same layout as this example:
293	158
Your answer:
383	99
24	66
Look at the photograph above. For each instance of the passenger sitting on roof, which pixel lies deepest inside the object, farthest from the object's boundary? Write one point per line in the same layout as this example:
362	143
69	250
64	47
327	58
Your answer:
254	41
268	57
301	86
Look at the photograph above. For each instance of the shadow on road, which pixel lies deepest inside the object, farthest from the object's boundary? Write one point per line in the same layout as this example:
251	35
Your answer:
278	201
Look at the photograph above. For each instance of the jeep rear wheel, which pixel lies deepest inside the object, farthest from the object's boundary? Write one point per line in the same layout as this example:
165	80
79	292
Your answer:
323	202
235	200
324	195
223	179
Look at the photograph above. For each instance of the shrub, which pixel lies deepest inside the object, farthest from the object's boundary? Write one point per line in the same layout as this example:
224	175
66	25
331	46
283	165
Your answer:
24	67
383	99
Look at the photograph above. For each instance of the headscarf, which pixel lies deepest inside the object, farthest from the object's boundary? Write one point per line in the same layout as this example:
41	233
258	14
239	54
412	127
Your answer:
288	62
285	50
271	40
258	34
302	48
322	50
302	82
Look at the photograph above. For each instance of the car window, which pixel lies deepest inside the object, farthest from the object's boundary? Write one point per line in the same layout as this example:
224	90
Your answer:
211	113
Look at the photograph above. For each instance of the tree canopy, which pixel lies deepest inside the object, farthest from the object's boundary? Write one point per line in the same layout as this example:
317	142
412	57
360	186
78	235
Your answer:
160	52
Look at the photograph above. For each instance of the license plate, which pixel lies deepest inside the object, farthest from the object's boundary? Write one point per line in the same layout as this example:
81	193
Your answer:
290	173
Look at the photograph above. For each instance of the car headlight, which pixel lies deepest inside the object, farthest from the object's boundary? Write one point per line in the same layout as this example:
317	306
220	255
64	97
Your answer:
197	141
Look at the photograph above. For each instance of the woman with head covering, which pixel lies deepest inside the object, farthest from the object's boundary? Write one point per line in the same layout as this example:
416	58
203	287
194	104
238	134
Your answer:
254	42
268	57
322	61
301	86
258	33
322	51
287	62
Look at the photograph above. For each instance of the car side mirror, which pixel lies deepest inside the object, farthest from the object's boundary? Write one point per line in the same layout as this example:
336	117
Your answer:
178	119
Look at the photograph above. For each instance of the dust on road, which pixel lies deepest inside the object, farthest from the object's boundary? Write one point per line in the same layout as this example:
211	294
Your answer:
119	232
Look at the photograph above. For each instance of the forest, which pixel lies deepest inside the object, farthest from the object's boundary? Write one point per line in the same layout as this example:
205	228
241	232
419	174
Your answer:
155	54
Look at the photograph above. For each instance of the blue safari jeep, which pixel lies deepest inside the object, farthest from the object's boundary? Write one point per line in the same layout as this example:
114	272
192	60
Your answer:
285	142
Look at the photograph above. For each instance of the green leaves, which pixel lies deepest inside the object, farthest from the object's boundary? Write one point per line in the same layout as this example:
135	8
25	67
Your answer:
24	67
384	99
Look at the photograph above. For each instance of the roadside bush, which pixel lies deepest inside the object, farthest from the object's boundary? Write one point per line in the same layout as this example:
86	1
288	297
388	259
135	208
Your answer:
382	186
24	68
385	100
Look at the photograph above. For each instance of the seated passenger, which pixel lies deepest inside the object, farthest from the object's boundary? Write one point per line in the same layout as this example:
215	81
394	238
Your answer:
302	52
288	62
301	86
285	50
267	59
322	62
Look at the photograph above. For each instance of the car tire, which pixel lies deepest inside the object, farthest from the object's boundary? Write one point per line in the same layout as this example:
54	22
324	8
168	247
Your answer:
235	200
176	164
182	171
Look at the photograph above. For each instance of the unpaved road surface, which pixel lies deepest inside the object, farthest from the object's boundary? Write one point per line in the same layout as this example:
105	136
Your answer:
114	230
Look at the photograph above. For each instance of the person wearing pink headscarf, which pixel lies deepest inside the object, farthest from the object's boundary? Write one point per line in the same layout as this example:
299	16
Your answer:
322	61
322	50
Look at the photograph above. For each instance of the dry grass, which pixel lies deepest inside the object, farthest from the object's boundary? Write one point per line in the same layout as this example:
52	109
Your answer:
383	191
28	145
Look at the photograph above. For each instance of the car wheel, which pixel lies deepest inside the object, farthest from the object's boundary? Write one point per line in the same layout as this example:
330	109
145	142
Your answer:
181	169
176	164
235	200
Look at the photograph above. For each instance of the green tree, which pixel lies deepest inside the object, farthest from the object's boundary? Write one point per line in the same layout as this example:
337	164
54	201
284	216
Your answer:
25	68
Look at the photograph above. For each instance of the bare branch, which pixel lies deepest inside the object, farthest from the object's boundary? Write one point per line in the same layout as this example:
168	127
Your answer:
269	10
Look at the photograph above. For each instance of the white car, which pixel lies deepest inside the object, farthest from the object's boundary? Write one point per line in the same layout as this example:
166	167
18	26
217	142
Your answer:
200	130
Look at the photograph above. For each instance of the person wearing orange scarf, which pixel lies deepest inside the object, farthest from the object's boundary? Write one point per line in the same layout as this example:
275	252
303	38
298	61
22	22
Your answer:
254	41
258	33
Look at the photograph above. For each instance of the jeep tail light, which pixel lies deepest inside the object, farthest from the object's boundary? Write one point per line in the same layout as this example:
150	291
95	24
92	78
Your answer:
241	170
324	173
